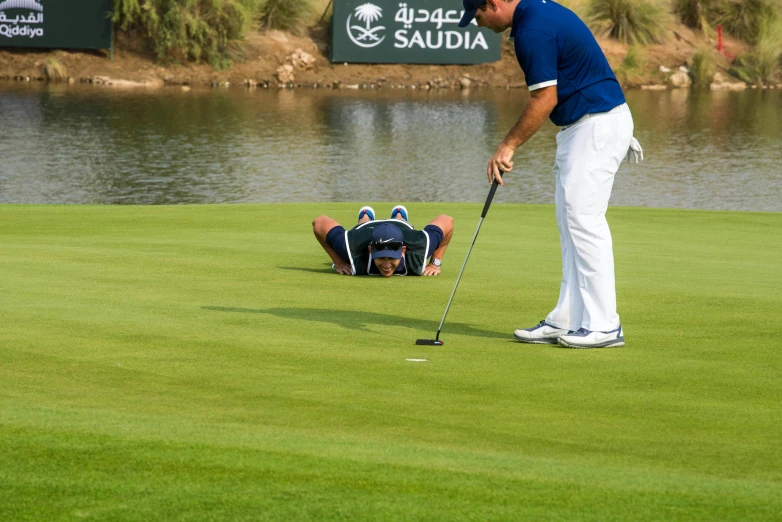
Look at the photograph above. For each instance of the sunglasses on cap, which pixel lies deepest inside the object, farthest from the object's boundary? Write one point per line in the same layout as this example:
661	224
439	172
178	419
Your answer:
391	245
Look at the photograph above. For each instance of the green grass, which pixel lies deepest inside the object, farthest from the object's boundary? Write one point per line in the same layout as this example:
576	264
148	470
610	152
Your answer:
204	363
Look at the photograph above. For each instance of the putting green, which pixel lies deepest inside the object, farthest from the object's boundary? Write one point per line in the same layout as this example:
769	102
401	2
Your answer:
205	363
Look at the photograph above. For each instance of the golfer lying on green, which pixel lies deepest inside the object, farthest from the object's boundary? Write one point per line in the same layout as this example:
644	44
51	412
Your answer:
385	247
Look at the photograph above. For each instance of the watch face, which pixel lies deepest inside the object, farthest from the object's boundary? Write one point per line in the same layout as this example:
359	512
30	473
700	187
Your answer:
436	262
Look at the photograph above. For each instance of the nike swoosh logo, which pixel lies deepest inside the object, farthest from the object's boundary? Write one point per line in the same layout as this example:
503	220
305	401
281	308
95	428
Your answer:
384	240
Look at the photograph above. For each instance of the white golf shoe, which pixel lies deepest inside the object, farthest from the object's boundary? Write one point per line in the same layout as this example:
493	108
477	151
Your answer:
542	333
583	338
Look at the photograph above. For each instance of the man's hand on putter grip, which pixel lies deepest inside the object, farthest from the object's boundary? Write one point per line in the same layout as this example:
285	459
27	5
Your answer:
500	163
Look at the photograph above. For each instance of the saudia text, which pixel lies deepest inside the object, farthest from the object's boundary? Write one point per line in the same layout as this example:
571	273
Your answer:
436	40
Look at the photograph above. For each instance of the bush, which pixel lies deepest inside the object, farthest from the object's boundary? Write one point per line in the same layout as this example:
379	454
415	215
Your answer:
740	18
54	70
635	59
762	62
633	64
629	21
580	7
182	30
286	15
745	19
703	68
689	12
697	14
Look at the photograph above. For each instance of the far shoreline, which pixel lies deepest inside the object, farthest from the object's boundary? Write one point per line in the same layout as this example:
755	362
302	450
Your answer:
279	60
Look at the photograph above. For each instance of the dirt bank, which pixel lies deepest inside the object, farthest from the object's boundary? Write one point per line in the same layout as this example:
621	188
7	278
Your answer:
258	57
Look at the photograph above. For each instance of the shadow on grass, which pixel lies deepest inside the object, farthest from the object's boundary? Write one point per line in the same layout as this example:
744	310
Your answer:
354	320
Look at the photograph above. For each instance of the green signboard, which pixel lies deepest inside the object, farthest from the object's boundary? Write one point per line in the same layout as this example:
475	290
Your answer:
57	24
424	31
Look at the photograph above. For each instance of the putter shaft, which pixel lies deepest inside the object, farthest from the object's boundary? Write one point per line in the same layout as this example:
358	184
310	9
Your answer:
436	341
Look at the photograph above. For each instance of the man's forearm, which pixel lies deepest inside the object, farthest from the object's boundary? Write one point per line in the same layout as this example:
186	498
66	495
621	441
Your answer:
538	108
535	114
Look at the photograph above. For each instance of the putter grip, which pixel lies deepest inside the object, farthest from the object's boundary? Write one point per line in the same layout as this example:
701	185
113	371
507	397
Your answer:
492	190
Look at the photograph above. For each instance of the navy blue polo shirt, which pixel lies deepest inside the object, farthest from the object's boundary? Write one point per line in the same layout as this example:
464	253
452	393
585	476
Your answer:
554	47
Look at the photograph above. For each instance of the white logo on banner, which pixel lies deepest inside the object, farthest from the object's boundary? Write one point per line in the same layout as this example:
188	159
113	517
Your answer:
366	36
13	25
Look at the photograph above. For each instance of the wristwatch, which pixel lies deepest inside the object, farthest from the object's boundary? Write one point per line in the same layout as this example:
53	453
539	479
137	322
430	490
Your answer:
437	262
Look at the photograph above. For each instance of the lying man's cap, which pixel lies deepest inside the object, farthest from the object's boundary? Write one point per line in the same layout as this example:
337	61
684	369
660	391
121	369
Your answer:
387	241
470	7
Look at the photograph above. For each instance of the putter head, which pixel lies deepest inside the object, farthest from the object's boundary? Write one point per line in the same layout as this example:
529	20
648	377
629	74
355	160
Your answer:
429	342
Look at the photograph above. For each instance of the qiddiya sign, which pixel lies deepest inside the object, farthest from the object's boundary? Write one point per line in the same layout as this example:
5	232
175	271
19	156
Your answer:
424	31
56	24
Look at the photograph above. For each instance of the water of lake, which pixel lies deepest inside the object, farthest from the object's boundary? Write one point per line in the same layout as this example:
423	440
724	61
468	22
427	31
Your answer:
82	144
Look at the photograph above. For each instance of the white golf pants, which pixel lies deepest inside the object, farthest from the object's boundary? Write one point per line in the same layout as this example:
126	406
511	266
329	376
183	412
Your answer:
588	157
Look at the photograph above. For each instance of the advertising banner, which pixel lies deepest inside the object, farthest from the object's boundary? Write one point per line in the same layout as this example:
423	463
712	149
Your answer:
56	24
420	31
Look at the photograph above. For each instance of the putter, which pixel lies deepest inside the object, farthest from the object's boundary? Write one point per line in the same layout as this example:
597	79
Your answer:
436	341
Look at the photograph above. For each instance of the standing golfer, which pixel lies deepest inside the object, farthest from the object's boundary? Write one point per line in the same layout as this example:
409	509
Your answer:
385	247
569	81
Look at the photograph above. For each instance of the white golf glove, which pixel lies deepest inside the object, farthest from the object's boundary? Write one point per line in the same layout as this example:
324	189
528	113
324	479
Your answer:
635	154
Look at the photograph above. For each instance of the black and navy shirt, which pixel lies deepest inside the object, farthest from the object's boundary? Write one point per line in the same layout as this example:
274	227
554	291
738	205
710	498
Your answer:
554	47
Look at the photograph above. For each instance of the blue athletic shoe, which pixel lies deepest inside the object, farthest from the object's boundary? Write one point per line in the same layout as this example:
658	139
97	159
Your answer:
366	211
399	210
583	338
